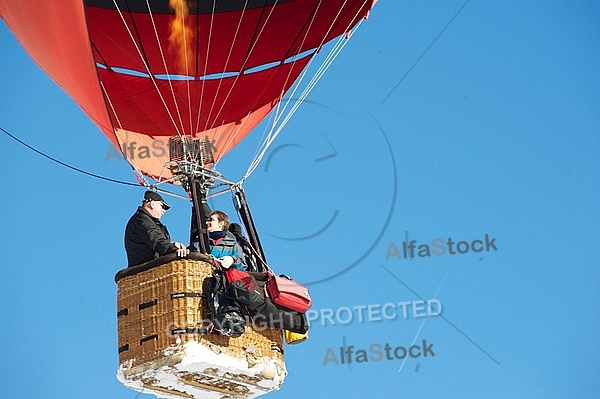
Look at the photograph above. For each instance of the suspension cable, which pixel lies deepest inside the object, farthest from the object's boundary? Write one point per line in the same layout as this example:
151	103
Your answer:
152	78
138	174
237	29
245	61
162	55
275	131
53	159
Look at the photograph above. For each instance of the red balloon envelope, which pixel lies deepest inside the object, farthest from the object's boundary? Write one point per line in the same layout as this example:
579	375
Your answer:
147	71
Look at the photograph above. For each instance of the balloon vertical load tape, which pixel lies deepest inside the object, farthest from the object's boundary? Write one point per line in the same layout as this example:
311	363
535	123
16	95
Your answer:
164	347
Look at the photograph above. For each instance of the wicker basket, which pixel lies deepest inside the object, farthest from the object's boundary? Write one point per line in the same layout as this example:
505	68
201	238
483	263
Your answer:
163	345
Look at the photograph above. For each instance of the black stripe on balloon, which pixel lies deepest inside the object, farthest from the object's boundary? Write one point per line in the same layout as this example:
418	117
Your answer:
204	7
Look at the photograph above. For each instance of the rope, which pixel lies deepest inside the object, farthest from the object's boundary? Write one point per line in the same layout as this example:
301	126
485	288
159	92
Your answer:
137	172
234	135
212	16
66	164
311	60
152	78
162	55
245	61
146	66
187	72
237	30
282	115
279	111
275	131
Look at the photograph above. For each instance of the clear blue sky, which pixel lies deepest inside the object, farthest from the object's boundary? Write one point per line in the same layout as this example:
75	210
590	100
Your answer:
495	131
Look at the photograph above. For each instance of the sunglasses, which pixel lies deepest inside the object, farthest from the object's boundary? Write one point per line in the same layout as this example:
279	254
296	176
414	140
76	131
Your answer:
162	204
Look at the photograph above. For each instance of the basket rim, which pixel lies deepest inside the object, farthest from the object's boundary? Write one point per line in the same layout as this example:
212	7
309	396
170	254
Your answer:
142	267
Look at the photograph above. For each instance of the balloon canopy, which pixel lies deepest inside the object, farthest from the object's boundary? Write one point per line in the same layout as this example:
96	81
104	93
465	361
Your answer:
146	71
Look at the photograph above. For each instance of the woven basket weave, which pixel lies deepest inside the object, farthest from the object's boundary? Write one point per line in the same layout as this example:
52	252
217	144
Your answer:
161	308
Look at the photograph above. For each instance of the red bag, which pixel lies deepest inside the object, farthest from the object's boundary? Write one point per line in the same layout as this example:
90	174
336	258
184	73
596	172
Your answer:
233	274
288	293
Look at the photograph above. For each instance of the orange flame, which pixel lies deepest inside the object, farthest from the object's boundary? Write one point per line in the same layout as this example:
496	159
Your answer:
182	37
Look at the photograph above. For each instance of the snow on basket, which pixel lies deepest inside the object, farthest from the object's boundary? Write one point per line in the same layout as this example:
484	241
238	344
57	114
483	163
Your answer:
164	348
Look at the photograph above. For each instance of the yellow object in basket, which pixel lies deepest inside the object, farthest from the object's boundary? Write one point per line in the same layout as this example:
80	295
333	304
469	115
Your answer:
295	338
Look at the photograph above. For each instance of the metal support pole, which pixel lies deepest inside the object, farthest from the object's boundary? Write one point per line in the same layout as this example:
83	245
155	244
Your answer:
200	212
241	206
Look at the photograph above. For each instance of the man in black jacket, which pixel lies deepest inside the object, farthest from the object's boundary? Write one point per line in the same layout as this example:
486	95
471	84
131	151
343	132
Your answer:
146	238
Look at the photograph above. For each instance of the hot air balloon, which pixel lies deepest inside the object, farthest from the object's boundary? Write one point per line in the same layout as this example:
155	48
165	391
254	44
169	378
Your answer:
175	85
